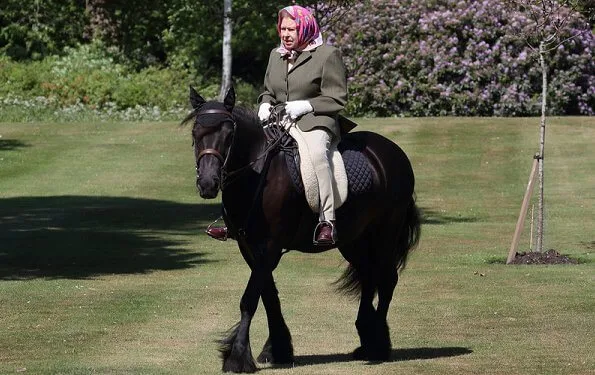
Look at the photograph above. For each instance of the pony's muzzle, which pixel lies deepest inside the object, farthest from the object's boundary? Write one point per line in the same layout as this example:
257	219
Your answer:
208	188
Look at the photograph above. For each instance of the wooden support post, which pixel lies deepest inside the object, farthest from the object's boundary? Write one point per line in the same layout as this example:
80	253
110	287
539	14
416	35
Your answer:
523	213
531	231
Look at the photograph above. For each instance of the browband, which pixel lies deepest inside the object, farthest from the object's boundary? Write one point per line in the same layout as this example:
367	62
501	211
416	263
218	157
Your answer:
214	112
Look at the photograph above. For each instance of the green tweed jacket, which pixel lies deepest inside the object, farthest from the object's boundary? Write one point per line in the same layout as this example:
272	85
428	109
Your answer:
318	76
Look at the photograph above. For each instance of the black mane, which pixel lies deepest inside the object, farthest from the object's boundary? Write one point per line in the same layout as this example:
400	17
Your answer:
245	116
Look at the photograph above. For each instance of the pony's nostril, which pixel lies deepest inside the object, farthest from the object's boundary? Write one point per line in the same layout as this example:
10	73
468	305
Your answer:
208	183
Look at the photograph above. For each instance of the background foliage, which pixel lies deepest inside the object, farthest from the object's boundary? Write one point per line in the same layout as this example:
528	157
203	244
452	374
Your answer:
405	58
459	58
34	29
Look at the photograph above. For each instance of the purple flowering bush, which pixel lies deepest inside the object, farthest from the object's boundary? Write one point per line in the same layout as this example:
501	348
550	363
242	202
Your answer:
464	58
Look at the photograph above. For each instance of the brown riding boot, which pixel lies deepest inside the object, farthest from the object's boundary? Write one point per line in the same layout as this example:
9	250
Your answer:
326	234
218	233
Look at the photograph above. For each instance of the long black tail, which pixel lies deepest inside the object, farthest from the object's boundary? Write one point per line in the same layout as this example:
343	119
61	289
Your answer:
409	243
350	281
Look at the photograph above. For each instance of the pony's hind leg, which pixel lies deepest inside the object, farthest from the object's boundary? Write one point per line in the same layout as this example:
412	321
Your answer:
377	272
359	278
391	253
366	321
386	285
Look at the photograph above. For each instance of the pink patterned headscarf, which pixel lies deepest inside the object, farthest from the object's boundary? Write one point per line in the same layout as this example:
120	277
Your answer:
307	28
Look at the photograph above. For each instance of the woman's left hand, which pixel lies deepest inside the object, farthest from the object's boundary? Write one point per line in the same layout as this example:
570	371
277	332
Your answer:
297	108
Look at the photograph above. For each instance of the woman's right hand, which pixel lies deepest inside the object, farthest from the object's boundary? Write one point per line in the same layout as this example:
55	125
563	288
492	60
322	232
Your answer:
264	111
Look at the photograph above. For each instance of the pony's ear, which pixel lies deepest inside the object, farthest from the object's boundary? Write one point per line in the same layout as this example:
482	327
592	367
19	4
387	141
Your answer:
230	99
195	99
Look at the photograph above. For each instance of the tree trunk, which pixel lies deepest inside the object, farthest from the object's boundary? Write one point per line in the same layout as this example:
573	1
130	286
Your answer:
226	68
540	209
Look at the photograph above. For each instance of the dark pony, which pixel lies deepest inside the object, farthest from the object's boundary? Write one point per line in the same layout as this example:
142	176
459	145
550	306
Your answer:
267	216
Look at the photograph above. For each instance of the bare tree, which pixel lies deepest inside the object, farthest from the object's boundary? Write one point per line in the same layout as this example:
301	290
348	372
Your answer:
226	49
548	30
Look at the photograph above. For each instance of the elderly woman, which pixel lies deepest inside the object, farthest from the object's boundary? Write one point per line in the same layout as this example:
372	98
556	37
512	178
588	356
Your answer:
309	77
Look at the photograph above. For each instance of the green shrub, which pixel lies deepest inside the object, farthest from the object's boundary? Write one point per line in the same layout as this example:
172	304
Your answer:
87	83
164	88
22	79
84	74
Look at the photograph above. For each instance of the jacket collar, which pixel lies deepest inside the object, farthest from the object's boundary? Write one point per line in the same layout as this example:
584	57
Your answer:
301	59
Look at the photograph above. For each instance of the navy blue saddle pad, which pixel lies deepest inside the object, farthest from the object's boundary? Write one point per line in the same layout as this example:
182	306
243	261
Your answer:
357	166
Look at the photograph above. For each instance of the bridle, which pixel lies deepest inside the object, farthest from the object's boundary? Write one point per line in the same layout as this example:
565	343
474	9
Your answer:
273	141
227	178
212	151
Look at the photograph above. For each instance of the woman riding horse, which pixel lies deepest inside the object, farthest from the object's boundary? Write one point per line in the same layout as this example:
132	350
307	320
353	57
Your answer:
309	77
379	226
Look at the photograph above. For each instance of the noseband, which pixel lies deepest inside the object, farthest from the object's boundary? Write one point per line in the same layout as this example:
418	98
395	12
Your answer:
212	151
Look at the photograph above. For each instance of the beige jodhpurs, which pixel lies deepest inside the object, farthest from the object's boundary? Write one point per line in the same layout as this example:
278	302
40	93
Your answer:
318	141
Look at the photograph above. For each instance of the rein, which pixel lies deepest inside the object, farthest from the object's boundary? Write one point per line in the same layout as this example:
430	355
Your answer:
274	135
273	141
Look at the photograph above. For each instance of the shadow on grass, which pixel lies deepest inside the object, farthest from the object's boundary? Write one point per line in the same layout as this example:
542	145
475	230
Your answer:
397	355
11	144
85	236
433	217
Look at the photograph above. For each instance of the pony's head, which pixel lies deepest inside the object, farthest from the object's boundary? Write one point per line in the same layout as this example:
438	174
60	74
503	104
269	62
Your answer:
212	136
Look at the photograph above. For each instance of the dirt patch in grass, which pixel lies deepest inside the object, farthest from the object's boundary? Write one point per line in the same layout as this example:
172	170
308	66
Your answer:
547	257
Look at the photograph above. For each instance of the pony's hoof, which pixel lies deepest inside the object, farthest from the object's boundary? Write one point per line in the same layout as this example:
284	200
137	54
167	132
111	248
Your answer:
360	354
280	354
379	356
279	359
265	357
237	367
239	361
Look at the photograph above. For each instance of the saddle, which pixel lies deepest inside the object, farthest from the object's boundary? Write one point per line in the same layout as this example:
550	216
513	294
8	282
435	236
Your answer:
352	172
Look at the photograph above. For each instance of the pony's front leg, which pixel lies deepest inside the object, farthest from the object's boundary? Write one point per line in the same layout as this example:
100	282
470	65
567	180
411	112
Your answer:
235	349
278	348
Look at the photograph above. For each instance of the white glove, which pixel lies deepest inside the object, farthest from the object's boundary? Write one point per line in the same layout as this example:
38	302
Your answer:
264	111
298	108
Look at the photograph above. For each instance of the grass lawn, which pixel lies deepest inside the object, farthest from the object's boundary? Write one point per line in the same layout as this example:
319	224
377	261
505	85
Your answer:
105	268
